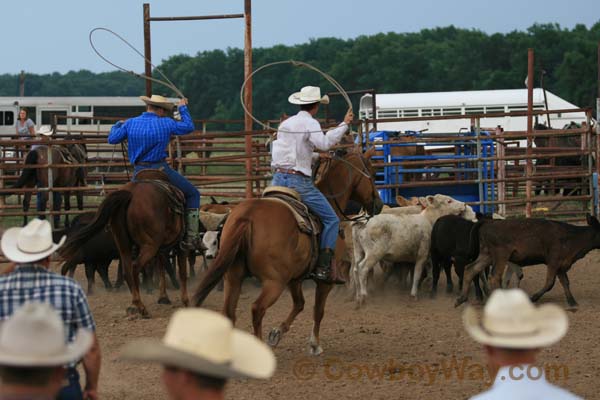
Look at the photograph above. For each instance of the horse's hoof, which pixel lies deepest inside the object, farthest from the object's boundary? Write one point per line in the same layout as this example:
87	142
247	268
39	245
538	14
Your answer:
274	337
315	350
414	297
132	311
145	314
459	301
186	302
164	300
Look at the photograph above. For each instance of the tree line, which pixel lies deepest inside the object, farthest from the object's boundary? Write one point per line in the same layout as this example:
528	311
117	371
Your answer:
438	59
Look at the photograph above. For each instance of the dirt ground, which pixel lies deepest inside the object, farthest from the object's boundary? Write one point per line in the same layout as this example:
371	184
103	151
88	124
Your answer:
392	348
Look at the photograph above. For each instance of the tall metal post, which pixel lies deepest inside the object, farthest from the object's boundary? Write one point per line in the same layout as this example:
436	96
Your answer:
147	49
248	94
22	84
529	165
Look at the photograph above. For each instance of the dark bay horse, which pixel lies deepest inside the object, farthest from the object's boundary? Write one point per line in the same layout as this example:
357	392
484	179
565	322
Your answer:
61	177
279	254
139	214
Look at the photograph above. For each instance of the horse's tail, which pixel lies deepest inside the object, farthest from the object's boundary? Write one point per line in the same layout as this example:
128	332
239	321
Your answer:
231	247
28	174
112	204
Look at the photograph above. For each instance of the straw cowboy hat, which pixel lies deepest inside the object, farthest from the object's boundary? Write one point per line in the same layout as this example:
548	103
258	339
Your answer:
205	342
45	130
34	336
158	101
308	95
31	243
510	320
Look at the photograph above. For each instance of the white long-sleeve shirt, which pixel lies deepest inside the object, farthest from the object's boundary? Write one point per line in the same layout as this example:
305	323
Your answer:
294	150
524	382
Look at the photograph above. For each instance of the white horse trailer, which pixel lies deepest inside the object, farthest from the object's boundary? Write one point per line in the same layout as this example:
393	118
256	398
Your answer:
41	110
435	104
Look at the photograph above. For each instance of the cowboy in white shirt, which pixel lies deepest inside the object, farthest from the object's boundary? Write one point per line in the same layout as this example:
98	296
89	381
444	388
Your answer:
292	155
513	331
200	352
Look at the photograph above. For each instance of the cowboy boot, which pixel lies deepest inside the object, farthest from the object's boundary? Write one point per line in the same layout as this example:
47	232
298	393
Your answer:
192	239
323	271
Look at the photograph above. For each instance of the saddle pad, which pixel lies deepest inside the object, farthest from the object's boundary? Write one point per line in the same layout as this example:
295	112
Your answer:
307	222
175	197
281	189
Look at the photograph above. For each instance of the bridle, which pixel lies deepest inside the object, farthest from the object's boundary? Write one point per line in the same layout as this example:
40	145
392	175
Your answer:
364	171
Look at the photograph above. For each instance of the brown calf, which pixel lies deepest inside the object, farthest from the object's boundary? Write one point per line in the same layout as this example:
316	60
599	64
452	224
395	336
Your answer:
529	242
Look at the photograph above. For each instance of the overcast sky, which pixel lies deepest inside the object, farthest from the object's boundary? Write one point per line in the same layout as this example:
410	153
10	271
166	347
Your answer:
43	36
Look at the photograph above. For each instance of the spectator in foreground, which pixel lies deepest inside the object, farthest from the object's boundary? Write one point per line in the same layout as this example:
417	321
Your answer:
33	352
30	248
199	353
512	331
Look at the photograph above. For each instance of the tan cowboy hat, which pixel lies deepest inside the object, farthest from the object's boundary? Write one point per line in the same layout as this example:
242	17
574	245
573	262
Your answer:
34	336
31	243
158	101
45	130
308	95
205	342
510	320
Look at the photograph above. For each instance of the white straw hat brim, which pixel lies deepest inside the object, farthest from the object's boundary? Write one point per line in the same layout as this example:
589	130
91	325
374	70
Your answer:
12	252
296	98
166	105
550	320
251	357
73	352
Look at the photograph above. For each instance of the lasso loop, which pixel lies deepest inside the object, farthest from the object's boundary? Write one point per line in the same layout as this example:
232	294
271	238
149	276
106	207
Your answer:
168	83
295	63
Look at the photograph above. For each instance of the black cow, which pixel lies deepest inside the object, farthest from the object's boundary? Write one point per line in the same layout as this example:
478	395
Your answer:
96	254
529	242
450	241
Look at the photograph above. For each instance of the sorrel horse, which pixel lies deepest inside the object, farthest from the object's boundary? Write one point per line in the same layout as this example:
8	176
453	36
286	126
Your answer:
279	254
61	177
139	214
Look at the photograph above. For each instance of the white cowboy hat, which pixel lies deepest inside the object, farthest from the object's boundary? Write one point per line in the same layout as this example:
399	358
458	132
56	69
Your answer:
205	342
308	95
510	320
158	101
34	336
45	130
31	243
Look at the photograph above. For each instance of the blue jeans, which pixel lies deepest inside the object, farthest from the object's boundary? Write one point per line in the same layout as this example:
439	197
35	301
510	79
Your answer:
316	202
73	390
192	195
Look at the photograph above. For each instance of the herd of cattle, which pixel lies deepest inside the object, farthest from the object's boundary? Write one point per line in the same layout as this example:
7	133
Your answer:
420	237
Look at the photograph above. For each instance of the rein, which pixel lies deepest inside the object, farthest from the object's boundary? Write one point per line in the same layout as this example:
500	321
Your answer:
334	198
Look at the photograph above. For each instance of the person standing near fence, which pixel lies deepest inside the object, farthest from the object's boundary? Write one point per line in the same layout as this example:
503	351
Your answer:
25	129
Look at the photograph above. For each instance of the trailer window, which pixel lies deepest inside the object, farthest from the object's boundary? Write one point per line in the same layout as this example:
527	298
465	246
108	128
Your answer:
48	117
7	118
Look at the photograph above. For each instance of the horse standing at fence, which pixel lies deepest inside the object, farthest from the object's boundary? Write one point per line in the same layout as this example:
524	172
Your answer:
279	254
68	153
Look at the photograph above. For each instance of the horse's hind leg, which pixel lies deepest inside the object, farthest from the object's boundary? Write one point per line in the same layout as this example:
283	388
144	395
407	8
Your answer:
56	203
270	293
67	196
26	204
160	261
298	299
182	257
232	286
321	294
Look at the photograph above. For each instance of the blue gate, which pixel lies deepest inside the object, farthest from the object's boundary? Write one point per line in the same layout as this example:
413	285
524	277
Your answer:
467	179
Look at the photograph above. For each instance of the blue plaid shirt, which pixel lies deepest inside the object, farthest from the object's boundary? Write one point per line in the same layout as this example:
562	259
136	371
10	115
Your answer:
148	135
32	282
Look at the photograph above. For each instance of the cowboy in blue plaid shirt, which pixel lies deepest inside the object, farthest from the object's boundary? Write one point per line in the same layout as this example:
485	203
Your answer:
30	249
148	137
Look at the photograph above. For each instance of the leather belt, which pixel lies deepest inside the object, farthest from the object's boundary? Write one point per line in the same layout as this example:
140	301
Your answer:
147	163
290	171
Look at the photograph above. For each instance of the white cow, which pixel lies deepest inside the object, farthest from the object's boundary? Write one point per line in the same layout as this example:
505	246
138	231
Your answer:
211	242
400	238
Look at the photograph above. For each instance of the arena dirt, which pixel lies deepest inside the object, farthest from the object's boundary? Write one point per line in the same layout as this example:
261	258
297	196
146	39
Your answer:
393	348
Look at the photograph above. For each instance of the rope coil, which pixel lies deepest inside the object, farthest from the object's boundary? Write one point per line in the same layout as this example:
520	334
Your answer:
294	63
